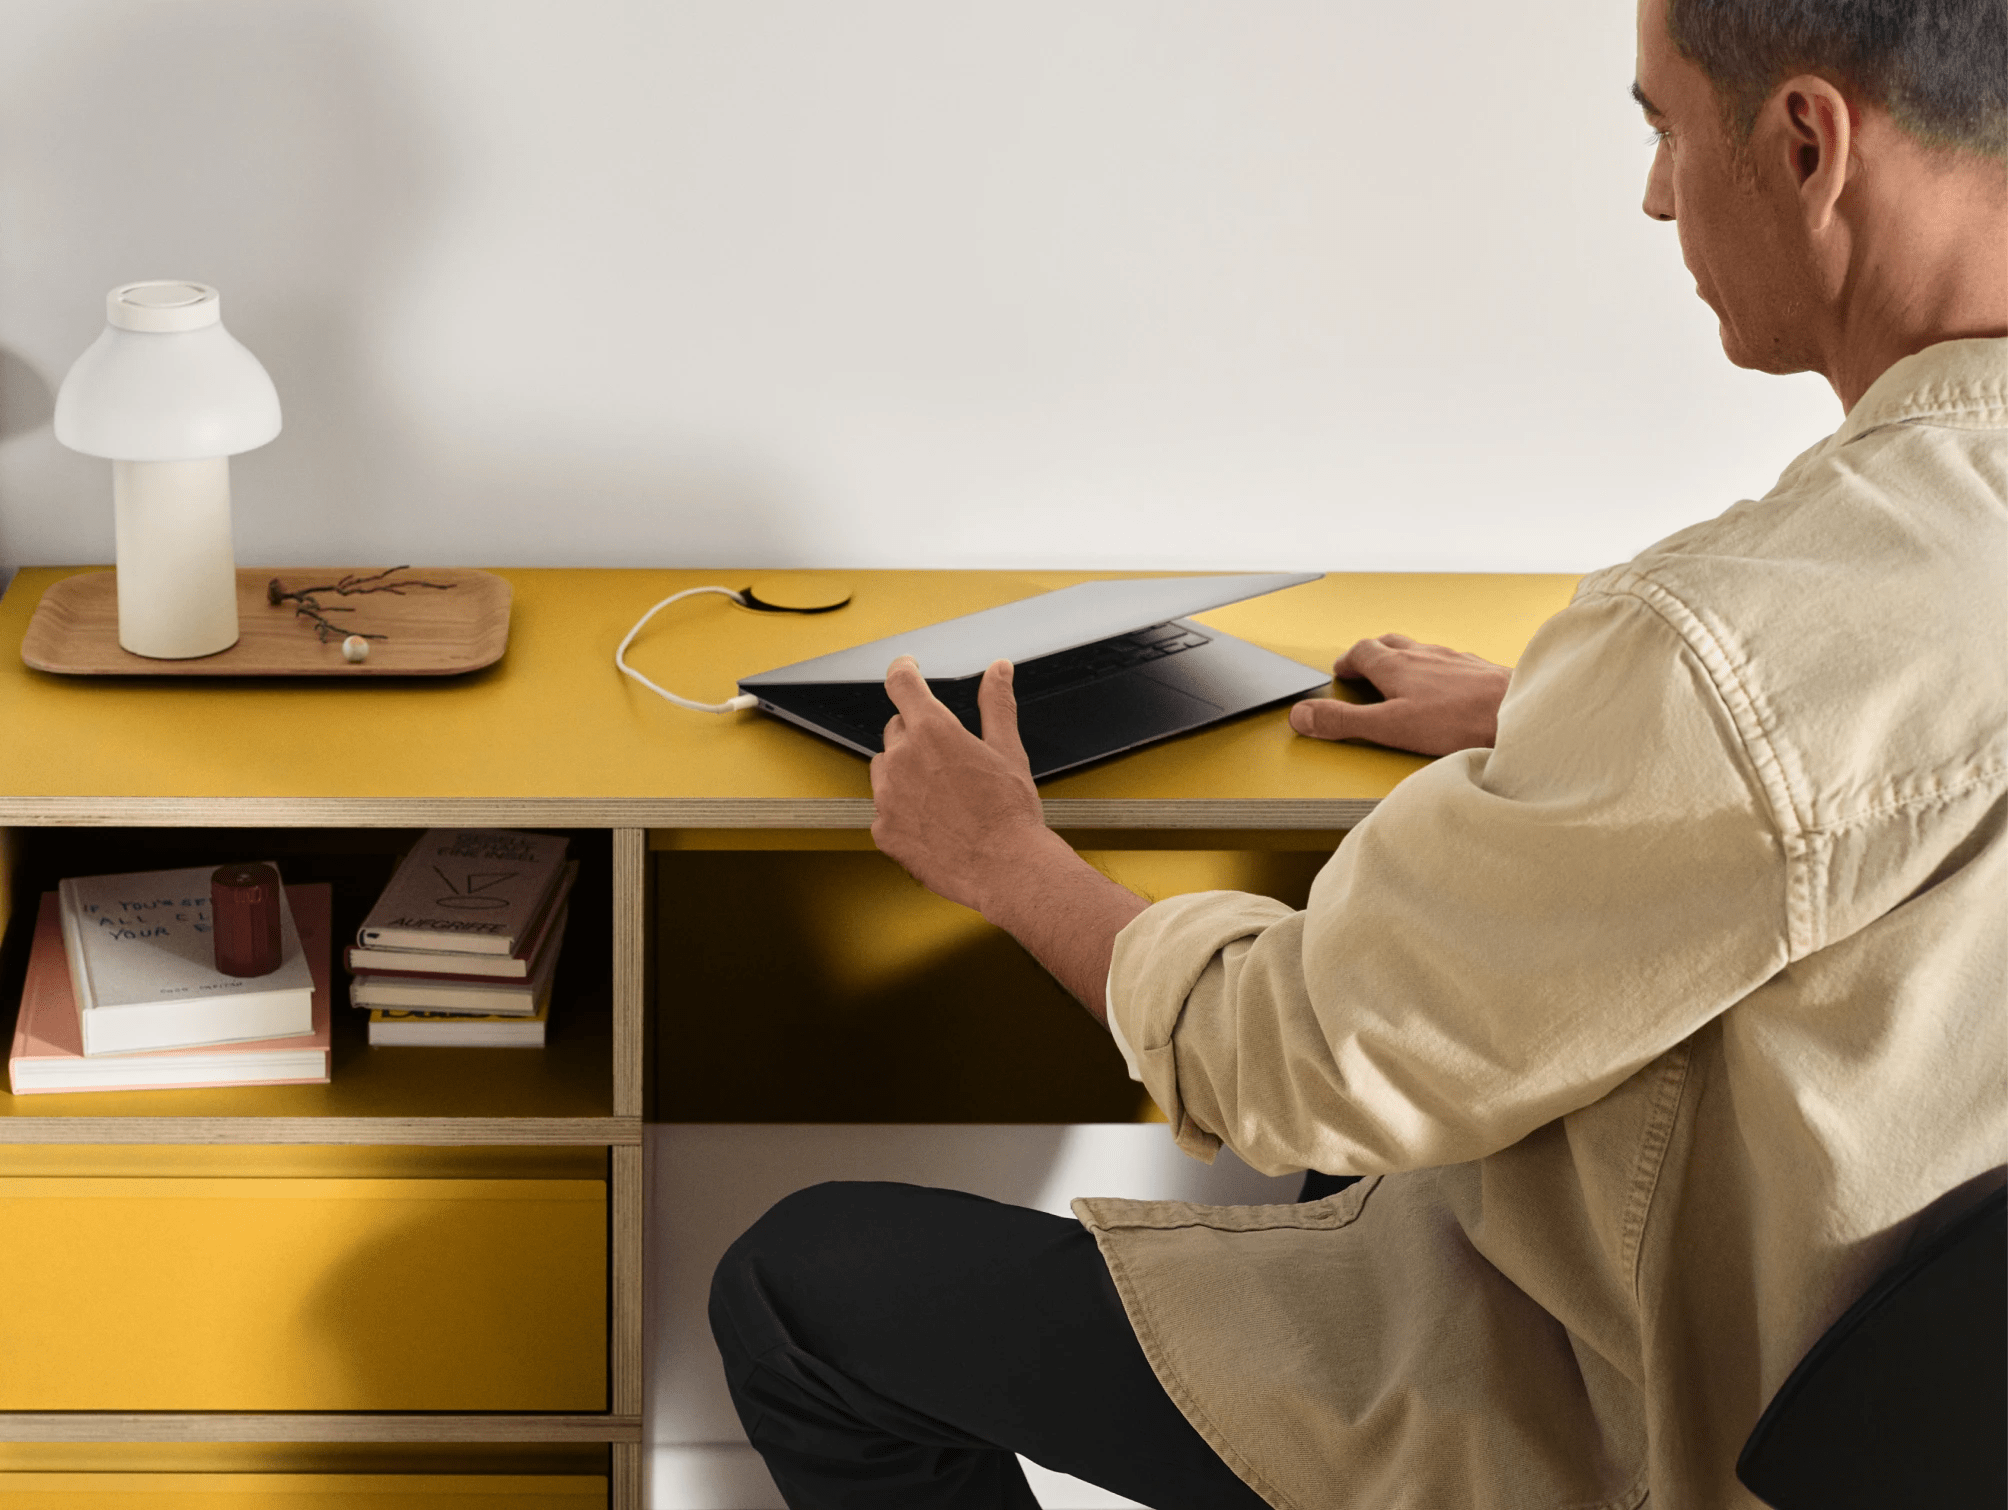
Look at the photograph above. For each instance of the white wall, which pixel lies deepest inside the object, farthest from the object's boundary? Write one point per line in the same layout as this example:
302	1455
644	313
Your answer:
1166	283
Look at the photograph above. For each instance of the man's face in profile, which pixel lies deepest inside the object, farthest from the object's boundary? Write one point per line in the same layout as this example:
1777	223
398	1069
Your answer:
1733	209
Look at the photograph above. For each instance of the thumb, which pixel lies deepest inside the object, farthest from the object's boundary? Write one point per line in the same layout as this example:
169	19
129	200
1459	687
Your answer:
997	703
1328	718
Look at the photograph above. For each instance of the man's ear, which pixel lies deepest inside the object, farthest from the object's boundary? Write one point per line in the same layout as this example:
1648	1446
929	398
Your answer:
1814	125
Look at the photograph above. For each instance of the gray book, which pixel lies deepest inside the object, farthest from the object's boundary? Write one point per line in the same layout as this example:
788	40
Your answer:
466	891
143	967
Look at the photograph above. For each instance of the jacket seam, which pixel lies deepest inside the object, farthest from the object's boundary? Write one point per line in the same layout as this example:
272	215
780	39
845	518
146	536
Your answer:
1818	869
1372	1184
1937	796
1715	660
1653	1146
1754	738
1989	418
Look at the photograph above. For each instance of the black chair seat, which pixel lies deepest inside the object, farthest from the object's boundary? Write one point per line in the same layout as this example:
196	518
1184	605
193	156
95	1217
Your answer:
1903	1401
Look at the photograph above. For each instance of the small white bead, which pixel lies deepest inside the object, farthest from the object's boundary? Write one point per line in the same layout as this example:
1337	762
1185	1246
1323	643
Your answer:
355	648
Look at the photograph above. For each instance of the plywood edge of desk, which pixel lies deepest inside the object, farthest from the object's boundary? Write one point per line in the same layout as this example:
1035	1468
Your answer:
434	1132
218	1426
656	814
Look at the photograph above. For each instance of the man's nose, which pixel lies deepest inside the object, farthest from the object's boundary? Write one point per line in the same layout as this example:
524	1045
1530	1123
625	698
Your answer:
1659	187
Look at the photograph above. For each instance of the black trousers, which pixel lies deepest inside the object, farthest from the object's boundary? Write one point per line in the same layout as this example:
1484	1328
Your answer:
890	1347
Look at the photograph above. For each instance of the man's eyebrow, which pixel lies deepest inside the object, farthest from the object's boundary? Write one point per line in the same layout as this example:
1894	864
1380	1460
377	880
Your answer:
1643	103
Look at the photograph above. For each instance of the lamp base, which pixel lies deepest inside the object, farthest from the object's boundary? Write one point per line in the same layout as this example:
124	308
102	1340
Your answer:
177	570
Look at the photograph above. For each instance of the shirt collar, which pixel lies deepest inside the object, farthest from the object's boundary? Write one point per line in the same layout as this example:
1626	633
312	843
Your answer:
1961	383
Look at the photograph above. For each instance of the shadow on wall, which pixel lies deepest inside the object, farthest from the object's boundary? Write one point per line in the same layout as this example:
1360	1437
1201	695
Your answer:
27	400
273	151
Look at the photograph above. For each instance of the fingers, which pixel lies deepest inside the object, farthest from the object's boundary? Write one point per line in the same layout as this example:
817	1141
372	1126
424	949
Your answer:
1328	718
997	703
1359	662
907	688
1319	718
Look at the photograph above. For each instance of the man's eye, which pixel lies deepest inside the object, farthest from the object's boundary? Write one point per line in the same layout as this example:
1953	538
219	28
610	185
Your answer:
1658	137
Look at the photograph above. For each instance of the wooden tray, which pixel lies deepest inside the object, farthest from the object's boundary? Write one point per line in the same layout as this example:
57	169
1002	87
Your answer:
428	632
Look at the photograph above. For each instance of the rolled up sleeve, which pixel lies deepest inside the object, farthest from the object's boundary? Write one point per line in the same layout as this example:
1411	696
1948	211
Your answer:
1505	939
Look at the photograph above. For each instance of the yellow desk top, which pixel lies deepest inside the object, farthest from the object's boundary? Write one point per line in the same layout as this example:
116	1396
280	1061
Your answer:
554	735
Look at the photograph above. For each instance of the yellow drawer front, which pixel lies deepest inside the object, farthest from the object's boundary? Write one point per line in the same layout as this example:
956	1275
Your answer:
303	1294
298	1491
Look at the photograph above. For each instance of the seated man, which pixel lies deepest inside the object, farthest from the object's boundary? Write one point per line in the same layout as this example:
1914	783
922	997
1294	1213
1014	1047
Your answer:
1661	1025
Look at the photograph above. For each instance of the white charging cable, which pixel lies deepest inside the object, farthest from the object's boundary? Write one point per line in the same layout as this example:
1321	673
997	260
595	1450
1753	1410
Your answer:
730	705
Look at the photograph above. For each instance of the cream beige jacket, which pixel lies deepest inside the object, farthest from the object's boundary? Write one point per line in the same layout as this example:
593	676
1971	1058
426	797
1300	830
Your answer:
1662	1022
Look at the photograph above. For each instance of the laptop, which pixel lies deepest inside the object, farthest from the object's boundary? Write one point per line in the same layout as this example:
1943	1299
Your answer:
1101	668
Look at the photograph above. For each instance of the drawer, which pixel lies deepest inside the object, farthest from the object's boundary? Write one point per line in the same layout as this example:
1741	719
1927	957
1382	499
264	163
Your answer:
299	1491
256	1294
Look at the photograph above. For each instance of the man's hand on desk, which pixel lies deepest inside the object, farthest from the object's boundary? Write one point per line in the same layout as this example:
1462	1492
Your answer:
962	815
1437	700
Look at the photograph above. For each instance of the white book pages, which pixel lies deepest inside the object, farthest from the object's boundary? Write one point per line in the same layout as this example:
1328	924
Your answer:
143	966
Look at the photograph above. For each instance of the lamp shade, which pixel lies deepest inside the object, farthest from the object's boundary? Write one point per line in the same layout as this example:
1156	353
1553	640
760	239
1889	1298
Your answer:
165	381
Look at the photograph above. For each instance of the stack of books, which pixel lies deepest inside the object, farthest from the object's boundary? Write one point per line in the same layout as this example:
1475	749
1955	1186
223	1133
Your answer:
122	991
462	946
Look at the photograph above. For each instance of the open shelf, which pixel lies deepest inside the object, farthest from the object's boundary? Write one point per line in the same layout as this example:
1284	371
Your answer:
561	1093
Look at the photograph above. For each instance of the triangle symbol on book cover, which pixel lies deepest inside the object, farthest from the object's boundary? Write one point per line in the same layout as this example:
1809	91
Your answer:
481	880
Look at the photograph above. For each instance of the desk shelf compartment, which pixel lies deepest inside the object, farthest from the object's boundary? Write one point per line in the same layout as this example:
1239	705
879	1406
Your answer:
562	1093
857	997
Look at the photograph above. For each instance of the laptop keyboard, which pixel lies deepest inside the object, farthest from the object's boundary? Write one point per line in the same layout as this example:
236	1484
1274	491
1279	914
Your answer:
859	710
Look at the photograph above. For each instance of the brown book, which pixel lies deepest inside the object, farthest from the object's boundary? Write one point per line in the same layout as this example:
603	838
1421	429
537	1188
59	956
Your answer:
466	891
435	993
545	935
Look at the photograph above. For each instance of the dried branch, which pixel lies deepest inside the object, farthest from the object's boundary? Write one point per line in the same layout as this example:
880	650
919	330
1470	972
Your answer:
308	606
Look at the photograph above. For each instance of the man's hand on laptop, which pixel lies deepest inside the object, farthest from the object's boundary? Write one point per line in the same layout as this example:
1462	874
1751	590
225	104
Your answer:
952	808
1437	700
962	815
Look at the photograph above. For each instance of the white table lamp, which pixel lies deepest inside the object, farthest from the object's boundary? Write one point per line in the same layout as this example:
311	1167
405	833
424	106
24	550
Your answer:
169	396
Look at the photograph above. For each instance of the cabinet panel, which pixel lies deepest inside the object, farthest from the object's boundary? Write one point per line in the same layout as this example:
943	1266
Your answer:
299	1491
303	1294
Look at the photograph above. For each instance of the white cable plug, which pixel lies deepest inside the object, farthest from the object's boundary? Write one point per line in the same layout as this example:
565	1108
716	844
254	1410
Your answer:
730	705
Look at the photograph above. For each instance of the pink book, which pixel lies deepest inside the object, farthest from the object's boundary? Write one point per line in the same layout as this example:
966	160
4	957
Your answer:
48	1050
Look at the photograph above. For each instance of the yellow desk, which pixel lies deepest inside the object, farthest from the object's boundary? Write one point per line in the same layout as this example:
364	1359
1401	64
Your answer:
553	735
330	776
